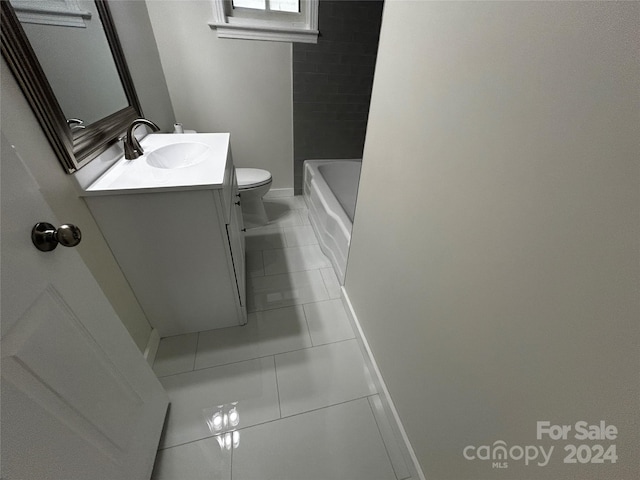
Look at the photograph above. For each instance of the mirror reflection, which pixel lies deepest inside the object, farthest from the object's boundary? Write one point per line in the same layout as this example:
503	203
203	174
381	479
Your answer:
67	59
71	45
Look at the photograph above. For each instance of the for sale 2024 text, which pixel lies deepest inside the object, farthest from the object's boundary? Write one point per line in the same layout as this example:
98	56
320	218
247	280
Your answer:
582	431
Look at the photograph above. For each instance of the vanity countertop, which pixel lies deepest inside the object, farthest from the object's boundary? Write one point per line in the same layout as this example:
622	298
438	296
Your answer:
138	176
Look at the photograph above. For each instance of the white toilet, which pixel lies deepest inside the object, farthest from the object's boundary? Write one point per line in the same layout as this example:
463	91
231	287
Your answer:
253	184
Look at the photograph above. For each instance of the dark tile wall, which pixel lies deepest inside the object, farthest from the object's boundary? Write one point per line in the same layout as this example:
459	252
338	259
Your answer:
332	83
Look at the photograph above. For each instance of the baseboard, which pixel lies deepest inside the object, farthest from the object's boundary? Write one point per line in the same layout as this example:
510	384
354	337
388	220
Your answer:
387	404
279	193
151	349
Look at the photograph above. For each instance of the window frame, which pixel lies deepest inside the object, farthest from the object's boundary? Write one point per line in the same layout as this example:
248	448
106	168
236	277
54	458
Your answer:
229	23
64	13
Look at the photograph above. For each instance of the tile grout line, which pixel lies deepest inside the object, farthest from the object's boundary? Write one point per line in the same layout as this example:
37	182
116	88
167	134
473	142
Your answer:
284	238
160	449
322	408
260	357
275	373
324	284
326	287
306	320
195	354
312	410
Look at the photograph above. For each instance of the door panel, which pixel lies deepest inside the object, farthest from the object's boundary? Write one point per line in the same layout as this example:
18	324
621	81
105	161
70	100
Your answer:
78	398
44	366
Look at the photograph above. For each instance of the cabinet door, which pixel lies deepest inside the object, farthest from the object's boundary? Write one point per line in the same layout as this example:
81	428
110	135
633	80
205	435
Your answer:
235	235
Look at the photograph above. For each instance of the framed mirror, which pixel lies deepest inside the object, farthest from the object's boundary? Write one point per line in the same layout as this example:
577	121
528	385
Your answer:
66	57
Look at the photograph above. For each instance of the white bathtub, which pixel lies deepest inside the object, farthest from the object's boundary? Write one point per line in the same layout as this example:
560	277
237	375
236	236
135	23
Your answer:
330	190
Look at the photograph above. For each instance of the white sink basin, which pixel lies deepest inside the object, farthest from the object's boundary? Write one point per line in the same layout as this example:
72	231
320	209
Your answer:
179	155
171	161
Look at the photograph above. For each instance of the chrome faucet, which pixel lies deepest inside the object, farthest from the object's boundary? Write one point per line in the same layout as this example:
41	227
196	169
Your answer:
132	148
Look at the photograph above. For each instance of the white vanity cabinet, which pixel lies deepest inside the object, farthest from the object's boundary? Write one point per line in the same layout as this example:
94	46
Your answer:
181	250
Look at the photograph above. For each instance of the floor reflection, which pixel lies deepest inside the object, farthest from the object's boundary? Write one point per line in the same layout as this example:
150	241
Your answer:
223	421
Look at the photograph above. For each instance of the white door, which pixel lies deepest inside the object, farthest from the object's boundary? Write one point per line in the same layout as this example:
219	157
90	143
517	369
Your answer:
78	399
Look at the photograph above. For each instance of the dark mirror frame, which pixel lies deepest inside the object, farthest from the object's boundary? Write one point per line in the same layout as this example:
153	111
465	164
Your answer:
75	148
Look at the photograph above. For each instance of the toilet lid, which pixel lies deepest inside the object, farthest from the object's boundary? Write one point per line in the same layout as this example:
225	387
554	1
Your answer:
252	177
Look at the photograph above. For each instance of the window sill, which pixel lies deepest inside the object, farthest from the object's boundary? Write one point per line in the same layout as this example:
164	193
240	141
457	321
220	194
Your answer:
265	32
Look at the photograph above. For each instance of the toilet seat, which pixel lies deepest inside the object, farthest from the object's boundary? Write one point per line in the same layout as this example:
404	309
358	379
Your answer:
252	177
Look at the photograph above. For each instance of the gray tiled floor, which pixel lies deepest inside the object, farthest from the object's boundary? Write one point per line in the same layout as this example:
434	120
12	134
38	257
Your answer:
290	390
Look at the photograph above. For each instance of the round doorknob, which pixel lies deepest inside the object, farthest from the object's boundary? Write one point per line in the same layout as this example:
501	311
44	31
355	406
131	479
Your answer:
46	237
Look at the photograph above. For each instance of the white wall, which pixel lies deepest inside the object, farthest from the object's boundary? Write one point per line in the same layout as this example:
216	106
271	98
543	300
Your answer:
494	263
141	52
224	85
59	189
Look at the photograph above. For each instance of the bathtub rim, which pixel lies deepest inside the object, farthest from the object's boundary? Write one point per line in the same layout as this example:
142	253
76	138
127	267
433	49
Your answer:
331	206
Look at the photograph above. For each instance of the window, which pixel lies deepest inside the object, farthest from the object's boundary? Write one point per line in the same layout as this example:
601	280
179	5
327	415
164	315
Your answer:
64	13
275	20
291	6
